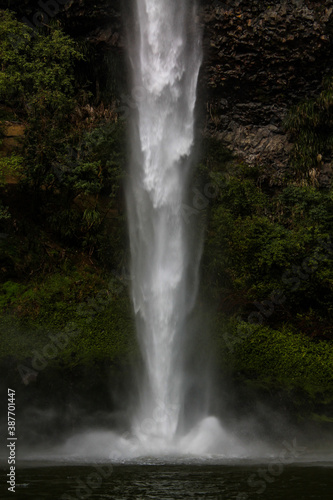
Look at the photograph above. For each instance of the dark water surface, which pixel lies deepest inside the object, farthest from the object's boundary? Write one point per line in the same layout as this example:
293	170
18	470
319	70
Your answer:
227	481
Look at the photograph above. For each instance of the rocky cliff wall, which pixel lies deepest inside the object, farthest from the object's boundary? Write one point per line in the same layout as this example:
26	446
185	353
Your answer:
261	57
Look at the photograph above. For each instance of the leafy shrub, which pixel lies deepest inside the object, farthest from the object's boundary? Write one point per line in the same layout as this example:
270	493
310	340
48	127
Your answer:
37	79
261	241
311	126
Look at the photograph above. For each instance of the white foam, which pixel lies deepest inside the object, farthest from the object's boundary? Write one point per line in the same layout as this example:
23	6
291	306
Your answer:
166	64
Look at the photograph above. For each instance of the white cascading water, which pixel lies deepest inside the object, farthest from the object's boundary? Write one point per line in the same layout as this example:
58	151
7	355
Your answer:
165	252
165	51
165	249
166	58
166	54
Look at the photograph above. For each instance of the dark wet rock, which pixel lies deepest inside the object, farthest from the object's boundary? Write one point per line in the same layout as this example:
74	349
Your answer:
262	57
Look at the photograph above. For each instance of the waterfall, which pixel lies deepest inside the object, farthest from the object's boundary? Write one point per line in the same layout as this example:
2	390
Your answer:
165	54
172	417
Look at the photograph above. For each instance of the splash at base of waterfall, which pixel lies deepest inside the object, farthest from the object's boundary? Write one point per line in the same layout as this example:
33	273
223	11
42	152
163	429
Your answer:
208	440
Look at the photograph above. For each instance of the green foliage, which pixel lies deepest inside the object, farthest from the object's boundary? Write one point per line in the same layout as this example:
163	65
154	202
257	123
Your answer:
89	181
78	298
36	70
77	227
9	292
9	166
277	361
260	241
311	126
289	360
37	79
4	213
96	162
70	165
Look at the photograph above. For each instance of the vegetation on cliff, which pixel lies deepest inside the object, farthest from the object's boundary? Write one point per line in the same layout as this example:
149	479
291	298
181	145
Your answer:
267	264
61	211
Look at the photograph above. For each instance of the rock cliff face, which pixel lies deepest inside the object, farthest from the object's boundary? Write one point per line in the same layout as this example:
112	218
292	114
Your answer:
261	57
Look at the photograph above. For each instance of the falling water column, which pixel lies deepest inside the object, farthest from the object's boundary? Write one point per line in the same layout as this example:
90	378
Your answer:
165	53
